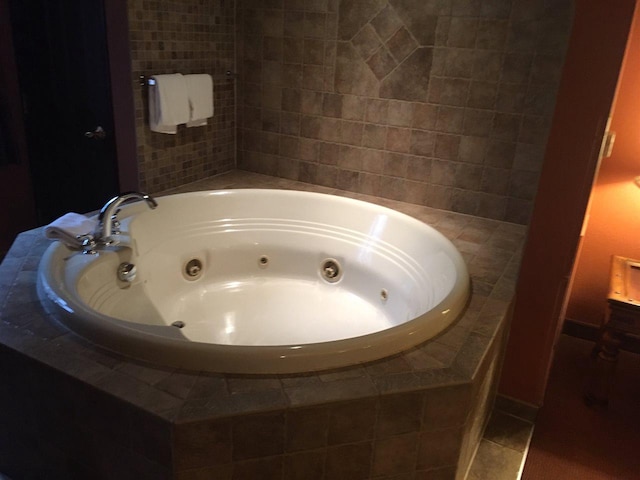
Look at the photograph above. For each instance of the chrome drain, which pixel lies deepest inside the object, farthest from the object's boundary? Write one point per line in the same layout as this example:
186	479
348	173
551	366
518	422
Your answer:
331	270
193	269
127	272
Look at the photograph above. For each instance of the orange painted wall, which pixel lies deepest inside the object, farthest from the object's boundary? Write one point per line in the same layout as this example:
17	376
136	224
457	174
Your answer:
614	221
593	62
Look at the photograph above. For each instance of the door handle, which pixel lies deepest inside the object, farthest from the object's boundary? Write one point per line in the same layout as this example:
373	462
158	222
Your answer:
97	134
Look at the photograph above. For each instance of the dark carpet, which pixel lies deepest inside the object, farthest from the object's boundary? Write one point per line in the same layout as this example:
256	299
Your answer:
574	441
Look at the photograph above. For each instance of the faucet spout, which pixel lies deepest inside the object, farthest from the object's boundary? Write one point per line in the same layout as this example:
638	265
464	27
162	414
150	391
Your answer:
107	216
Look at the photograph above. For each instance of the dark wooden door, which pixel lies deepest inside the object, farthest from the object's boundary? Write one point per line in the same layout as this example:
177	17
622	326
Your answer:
63	69
17	211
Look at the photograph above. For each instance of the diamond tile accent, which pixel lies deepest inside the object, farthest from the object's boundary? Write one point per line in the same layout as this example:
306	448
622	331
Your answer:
355	14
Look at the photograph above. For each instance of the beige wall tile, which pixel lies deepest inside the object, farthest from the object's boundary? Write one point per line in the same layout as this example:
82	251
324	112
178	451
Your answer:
465	89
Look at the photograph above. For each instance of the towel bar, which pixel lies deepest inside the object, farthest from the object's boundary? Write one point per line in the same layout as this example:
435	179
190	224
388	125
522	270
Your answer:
144	80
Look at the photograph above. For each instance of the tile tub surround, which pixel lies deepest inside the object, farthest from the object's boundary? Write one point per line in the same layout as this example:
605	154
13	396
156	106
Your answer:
189	36
81	412
440	103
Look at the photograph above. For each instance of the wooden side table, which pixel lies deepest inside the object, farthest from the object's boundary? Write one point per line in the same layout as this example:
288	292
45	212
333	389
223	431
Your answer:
621	317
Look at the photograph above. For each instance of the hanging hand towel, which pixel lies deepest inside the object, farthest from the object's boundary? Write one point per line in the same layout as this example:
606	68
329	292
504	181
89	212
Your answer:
69	227
168	103
200	93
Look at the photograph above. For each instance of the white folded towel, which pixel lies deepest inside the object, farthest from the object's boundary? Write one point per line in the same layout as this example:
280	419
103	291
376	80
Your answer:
69	227
168	103
200	93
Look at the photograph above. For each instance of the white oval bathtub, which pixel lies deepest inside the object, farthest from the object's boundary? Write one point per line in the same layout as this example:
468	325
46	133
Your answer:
289	282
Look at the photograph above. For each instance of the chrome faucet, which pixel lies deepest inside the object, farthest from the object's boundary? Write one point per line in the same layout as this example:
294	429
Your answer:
107	221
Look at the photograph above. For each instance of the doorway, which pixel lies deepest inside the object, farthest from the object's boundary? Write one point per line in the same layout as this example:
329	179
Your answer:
63	69
17	211
68	73
614	221
584	101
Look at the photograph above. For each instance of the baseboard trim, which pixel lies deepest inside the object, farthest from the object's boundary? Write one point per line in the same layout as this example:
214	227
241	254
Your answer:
516	408
587	331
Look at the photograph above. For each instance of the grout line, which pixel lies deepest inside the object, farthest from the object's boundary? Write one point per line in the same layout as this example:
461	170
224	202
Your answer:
473	458
514	415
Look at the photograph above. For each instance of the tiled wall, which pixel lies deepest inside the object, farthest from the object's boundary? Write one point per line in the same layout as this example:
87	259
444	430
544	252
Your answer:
444	103
186	36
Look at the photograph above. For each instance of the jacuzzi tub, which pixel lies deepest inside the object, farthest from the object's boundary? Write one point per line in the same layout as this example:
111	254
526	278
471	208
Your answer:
259	281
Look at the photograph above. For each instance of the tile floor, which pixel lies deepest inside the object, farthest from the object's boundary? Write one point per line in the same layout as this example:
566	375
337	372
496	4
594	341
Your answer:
502	451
